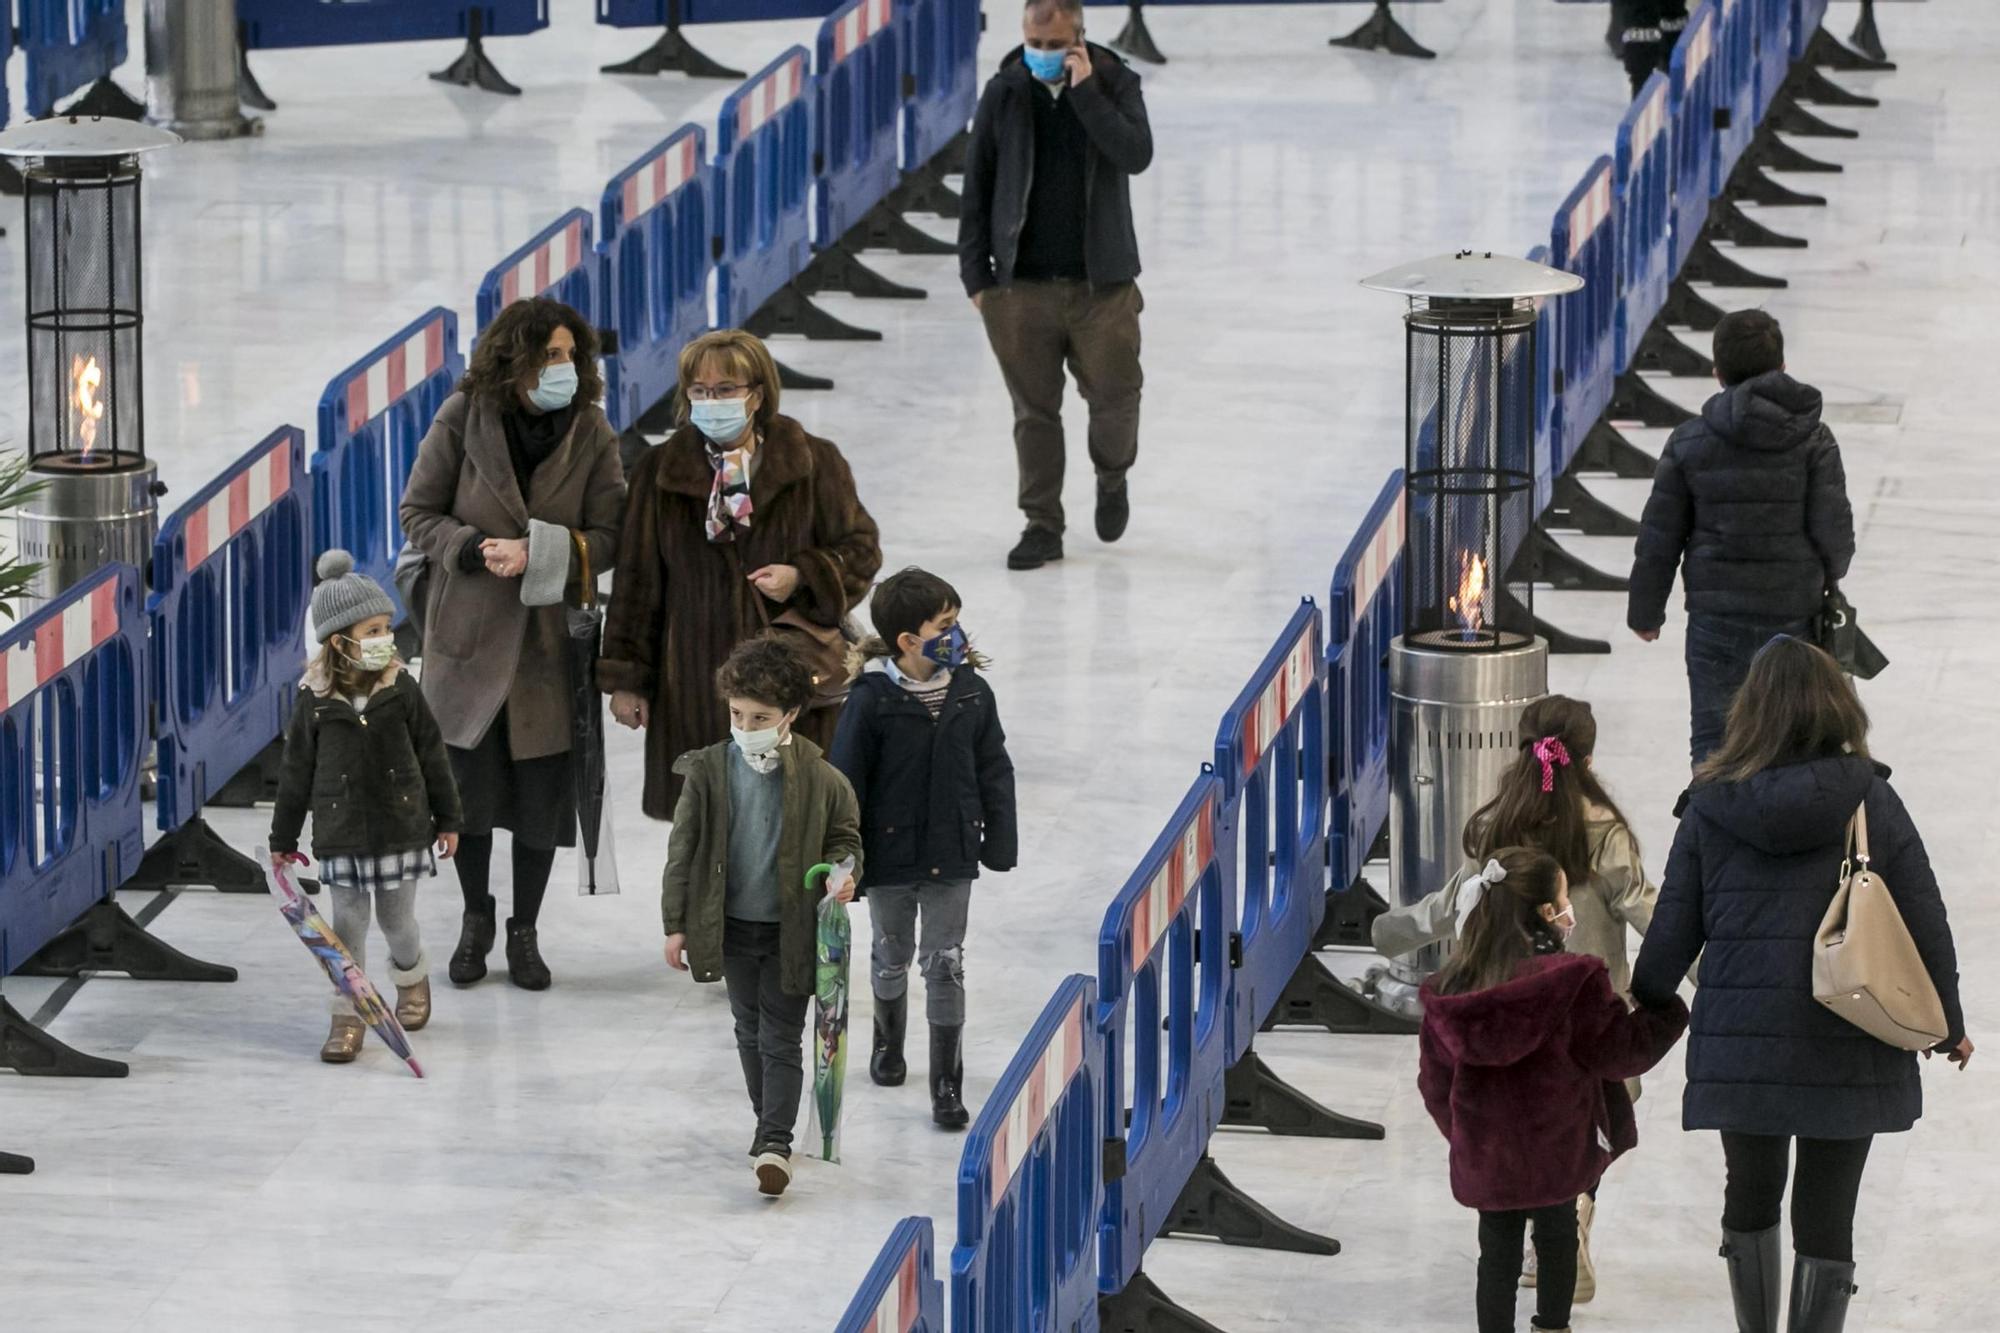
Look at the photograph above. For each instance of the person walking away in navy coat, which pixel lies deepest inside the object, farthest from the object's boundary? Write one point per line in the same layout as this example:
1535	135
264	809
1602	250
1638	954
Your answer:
1750	504
1521	1062
1754	866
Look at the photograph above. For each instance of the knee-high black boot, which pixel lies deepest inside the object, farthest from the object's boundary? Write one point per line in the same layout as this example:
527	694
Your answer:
1821	1289
1755	1270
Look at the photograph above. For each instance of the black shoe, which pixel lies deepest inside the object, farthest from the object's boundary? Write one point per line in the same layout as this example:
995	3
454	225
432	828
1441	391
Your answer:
475	941
887	1066
524	959
1755	1270
1114	511
947	1073
1038	546
1821	1289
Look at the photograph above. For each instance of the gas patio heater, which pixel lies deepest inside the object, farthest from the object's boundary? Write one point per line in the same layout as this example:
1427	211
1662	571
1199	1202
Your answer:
1468	660
86	422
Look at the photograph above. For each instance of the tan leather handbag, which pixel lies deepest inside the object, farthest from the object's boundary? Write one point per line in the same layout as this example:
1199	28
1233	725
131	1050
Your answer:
1866	968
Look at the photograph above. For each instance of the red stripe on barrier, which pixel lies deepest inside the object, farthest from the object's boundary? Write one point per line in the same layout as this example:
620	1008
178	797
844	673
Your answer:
433	348
1052	1072
357	401
196	533
103	613
1589	213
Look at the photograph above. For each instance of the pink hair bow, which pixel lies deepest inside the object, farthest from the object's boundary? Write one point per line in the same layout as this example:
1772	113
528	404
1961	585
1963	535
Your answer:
1553	754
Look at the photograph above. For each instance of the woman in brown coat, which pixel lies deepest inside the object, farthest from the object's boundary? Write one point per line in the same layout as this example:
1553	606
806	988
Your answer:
737	519
519	471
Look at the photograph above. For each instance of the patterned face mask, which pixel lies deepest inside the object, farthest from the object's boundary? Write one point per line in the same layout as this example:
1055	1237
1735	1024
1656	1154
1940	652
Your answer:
729	497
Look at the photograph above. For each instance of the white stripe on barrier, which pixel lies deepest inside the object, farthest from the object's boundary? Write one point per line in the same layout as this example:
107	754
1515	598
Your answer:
1280	699
544	266
1175	879
231	509
776	91
1701	45
58	644
864	21
1054	1069
1651	124
656	181
901	1303
1384	545
1589	213
394	373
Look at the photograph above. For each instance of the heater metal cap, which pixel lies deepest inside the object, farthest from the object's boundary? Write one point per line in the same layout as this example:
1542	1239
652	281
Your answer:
84	136
1469	276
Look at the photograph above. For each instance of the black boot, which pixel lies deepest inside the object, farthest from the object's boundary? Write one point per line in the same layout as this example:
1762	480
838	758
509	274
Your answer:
1820	1292
887	1066
524	959
475	941
1755	1269
947	1072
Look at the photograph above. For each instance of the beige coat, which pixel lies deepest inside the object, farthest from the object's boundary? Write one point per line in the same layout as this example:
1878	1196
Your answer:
485	646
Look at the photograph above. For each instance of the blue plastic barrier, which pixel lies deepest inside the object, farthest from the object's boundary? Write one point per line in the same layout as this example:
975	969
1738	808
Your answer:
901	1293
941	60
559	262
1584	241
231	575
1692	102
1270	753
6	53
72	714
763	168
858	85
1774	50
1645	216
657	244
653	13
70	44
1364	615
1164	1020
1548	394
1735	85
1031	1181
372	417
270	24
1805	18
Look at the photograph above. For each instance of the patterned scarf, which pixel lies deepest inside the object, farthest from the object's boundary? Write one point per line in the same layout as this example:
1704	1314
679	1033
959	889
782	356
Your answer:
729	497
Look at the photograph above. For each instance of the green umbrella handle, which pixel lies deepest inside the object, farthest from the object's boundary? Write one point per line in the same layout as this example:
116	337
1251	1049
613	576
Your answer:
819	873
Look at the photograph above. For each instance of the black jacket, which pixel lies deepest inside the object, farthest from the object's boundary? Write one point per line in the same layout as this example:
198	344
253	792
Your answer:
1000	170
1750	501
1753	868
377	782
937	797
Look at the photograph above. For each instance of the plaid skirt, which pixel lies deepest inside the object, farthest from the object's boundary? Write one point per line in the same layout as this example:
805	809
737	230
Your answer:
375	873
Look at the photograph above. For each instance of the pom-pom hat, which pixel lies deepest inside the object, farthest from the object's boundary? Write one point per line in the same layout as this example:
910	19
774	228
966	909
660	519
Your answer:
344	598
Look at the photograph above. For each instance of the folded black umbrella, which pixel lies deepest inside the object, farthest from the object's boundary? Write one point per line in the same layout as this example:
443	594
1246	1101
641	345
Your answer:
598	870
1839	633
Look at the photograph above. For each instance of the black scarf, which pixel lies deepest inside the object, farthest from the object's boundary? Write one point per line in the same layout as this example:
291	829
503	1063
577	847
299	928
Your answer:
533	437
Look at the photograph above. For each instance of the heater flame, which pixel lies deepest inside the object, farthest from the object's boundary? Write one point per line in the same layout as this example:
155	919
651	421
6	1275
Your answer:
85	379
1469	605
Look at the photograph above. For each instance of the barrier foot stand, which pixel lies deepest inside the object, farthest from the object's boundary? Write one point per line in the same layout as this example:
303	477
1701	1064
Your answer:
1688	308
26	1049
1727	222
839	269
883	228
1541	560
1574	509
13	1164
1633	399
1705	263
1606	450
950	159
1135	39
1144	1308
105	98
789	378
790	310
256	783
1350	916
1254	1097
473	68
1660	351
1560	641
1867	38
248	91
1806	84
1788	117
1315	998
1382	33
673	52
1214	1207
1825	49
106	938
196	854
924	191
1768	151
1748	185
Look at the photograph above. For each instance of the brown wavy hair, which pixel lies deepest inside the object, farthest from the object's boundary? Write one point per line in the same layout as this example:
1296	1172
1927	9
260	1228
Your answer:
1506	928
1796	704
510	354
765	669
1557	821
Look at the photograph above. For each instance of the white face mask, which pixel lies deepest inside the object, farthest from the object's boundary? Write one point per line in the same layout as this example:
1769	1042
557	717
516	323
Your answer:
1564	924
757	742
374	654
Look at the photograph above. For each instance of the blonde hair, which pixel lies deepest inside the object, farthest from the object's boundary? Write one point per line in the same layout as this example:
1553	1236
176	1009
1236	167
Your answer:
742	356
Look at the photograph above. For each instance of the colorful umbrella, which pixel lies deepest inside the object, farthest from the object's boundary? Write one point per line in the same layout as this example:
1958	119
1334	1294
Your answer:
830	1017
346	974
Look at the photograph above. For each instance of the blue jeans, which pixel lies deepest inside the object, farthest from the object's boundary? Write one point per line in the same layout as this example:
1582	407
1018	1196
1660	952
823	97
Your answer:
1719	651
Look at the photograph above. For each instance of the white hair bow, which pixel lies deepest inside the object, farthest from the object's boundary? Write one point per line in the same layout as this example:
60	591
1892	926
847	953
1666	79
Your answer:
1473	890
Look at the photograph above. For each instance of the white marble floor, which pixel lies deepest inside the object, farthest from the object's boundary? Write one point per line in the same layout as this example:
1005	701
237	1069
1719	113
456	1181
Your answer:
575	1156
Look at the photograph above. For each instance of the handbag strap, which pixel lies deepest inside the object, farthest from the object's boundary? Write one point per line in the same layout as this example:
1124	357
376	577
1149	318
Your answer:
1857	842
583	569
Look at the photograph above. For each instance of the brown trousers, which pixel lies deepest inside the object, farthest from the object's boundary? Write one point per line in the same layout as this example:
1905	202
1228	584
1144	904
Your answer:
1036	328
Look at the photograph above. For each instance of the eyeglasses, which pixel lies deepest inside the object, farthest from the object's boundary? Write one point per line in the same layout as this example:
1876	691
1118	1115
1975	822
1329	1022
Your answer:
709	393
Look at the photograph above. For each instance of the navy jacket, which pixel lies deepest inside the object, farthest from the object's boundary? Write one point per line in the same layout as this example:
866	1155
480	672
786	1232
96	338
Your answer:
1000	171
1750	504
937	797
1753	868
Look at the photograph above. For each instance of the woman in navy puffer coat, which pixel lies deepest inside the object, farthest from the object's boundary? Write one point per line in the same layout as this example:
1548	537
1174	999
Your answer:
1753	869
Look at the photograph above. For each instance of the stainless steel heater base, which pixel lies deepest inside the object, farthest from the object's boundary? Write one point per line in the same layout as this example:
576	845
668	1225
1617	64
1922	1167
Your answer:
86	516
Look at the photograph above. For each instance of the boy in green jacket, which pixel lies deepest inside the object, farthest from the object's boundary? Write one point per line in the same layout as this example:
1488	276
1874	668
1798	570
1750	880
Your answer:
756	813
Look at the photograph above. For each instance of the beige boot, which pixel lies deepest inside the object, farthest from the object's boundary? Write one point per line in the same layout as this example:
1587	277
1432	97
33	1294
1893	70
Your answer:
343	1043
1586	1271
413	994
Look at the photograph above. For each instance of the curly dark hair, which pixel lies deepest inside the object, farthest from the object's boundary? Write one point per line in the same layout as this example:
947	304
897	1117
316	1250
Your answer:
764	669
510	354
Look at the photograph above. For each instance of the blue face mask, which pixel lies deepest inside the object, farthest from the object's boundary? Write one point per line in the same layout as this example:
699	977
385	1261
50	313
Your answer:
557	387
1044	65
947	649
722	419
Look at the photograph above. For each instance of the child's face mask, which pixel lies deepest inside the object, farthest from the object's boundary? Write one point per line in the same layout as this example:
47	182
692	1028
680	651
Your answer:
757	742
1563	923
371	654
947	649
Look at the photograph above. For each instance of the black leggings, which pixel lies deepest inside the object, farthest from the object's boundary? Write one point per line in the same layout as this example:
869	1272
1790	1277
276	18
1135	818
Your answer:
1822	1197
1500	1265
531	875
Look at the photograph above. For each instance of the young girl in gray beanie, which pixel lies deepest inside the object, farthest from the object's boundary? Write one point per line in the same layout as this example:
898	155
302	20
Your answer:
365	756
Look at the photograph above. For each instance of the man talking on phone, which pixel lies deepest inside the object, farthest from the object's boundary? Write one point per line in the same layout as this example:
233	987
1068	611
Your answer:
1048	255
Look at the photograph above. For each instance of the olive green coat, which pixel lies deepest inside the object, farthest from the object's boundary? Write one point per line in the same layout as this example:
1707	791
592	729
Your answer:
821	822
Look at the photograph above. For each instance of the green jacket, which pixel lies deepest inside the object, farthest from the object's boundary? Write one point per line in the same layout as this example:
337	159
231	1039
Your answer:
821	823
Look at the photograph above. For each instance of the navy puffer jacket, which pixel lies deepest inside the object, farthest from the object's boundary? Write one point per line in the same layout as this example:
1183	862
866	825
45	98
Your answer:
1750	504
1753	868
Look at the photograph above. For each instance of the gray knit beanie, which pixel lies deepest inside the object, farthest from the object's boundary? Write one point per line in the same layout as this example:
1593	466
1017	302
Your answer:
344	598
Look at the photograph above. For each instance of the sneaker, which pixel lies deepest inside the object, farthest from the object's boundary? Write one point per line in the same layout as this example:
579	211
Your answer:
1114	511
774	1172
1528	1265
1038	546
